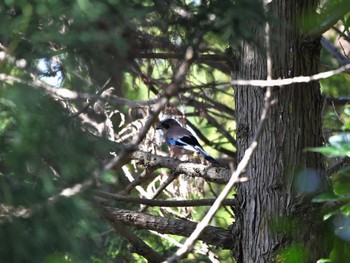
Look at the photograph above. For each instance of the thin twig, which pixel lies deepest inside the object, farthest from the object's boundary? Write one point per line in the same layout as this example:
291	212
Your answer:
168	181
137	181
93	100
337	166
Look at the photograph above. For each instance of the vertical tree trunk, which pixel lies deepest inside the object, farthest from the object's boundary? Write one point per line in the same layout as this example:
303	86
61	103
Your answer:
272	214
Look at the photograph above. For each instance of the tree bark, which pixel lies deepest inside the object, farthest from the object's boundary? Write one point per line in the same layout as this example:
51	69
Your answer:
211	235
273	214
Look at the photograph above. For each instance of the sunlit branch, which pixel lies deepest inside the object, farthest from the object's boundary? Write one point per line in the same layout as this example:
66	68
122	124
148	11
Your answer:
162	203
290	81
160	189
218	175
129	176
146	174
212	235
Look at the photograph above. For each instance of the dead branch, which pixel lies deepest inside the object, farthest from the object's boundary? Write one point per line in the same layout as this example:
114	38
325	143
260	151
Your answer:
220	175
138	244
216	236
168	181
162	203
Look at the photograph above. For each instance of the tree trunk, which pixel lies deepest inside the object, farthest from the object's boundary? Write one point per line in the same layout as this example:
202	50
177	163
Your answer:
273	215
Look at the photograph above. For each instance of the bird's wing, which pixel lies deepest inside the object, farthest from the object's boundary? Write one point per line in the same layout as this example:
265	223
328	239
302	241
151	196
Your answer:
186	142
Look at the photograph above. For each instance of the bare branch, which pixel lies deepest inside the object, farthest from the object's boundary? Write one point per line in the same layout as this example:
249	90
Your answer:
146	174
218	175
212	235
138	244
168	181
163	203
290	81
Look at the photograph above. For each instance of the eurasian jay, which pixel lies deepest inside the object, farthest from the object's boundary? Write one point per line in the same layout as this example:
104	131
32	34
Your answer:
177	136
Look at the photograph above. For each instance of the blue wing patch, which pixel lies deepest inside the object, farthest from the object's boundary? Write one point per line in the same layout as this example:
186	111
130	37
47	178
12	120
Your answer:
175	142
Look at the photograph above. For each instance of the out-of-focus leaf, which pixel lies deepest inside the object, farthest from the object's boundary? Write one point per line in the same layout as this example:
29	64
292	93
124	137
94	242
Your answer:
108	177
341	181
339	146
323	260
325	197
291	254
329	215
340	140
347	110
330	151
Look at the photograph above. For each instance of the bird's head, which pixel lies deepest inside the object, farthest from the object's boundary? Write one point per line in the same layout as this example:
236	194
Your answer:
167	124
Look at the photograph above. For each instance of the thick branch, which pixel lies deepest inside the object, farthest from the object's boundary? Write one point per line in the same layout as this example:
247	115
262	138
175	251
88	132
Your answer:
138	244
211	235
220	175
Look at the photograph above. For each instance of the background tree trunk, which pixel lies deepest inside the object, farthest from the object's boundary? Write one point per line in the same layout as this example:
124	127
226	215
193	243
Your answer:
273	214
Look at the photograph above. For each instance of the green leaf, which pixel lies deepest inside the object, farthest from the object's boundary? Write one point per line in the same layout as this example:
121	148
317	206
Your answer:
109	177
323	260
347	110
339	146
329	151
329	215
325	197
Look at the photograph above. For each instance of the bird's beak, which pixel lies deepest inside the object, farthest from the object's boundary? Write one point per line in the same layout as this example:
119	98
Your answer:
159	127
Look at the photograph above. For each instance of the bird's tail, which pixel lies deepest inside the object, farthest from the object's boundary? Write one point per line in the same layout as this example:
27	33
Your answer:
206	156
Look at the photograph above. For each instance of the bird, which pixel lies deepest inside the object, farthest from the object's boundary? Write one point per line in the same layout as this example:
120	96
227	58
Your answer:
177	136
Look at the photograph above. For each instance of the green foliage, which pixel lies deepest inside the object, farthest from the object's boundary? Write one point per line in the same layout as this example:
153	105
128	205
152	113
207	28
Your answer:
43	151
338	199
292	254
